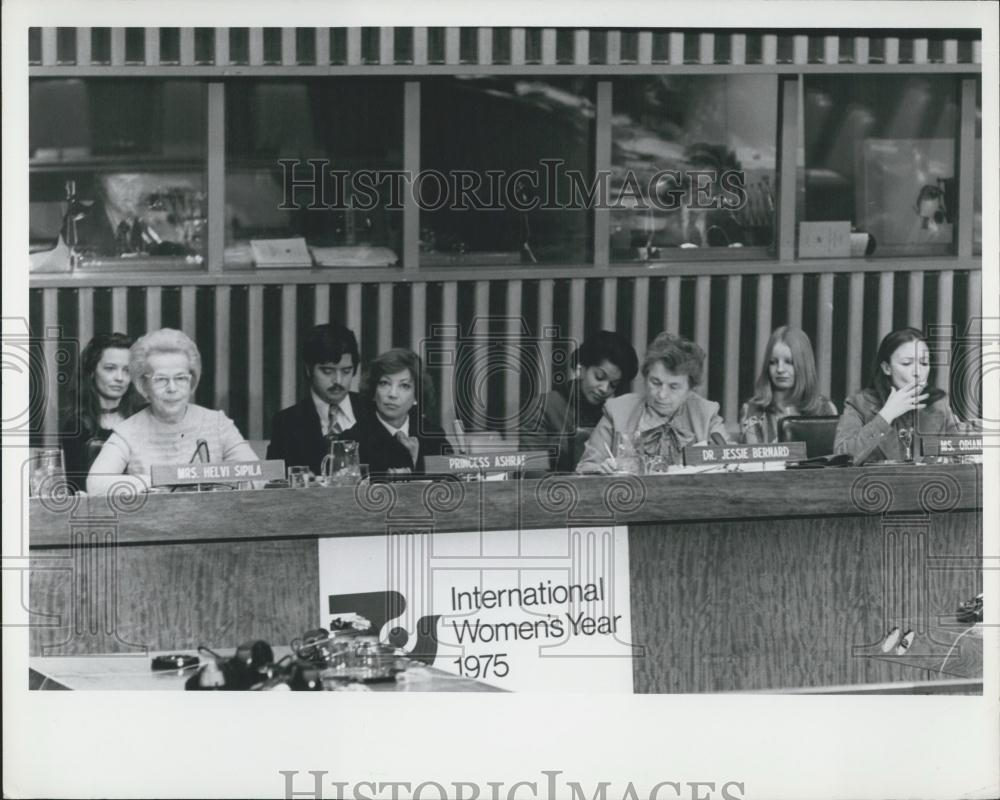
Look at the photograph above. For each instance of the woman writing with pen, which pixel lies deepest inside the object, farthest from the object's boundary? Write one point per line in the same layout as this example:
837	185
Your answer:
663	420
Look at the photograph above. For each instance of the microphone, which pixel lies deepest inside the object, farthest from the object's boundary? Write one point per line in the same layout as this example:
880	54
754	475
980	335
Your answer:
200	452
933	395
718	440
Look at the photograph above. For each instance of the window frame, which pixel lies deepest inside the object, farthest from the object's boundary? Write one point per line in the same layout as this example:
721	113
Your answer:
785	251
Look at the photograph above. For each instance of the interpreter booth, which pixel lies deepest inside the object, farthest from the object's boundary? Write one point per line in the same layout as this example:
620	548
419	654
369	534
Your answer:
488	198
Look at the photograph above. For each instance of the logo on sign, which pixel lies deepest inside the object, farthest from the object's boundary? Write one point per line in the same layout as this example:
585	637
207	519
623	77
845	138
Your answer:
381	608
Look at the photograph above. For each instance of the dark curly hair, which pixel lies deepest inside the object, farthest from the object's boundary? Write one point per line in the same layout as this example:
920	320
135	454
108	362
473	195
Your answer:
609	346
328	343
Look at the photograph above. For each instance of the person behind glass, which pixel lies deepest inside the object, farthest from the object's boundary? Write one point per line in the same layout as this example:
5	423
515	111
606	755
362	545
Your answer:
786	387
400	436
301	434
104	396
604	365
663	420
897	405
166	366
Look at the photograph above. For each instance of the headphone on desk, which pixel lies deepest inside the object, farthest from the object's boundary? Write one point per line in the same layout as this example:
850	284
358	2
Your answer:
251	665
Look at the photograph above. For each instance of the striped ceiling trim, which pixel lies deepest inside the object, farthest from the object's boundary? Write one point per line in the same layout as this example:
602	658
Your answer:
379	47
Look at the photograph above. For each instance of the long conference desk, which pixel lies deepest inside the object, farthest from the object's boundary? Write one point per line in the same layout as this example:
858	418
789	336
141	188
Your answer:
738	582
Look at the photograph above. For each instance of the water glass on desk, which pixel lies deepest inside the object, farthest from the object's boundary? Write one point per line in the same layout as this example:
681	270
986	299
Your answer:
299	477
626	454
47	474
656	465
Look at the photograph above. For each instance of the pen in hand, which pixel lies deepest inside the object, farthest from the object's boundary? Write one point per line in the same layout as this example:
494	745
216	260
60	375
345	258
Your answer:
611	457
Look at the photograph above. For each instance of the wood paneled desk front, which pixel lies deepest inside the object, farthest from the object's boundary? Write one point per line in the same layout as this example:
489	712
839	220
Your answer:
739	582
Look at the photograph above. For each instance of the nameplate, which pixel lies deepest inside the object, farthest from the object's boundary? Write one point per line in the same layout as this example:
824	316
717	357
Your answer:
699	456
935	445
463	464
222	472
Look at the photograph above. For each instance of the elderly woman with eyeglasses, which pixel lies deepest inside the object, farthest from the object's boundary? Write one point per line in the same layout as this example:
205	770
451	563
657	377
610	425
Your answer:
165	366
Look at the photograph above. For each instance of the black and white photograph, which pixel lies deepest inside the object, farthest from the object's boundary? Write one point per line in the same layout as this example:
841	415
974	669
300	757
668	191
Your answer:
602	402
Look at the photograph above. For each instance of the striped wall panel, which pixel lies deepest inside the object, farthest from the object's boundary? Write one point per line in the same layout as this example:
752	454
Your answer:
250	336
298	47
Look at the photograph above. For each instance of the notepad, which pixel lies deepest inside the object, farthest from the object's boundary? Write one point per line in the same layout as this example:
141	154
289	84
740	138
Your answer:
268	253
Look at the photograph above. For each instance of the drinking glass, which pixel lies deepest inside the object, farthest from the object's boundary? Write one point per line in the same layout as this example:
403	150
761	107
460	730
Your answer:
298	477
627	455
47	474
656	465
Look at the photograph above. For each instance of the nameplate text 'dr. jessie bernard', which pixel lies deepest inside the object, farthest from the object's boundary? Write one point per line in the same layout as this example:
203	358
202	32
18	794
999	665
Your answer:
700	455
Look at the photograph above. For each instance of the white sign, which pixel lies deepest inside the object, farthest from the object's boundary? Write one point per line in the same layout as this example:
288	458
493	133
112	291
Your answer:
533	610
220	472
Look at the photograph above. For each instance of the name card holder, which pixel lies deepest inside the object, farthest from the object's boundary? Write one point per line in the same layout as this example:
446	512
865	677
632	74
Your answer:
488	463
714	455
220	472
951	445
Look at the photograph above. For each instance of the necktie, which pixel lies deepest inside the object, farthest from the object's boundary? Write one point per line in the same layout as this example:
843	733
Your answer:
411	444
335	428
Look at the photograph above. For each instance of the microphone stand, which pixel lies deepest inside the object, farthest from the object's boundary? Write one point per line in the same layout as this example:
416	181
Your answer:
202	445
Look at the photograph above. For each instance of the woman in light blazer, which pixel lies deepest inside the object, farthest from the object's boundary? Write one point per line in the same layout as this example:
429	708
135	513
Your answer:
663	420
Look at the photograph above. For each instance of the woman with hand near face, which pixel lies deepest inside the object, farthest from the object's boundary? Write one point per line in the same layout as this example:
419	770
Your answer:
399	437
166	367
898	398
104	397
604	365
663	420
786	387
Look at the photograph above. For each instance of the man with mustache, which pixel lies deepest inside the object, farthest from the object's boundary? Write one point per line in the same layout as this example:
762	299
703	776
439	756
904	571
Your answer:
301	434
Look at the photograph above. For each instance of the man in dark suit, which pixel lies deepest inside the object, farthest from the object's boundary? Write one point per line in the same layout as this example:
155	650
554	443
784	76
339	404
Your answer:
301	434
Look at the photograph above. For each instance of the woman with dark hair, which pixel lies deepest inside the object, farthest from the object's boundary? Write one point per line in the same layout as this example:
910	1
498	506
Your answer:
604	366
399	437
786	387
896	408
665	419
103	396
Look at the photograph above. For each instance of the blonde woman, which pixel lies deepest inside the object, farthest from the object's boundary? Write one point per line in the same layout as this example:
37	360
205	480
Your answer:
786	387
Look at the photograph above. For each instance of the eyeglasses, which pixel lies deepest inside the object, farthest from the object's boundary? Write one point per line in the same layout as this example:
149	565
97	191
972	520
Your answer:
163	381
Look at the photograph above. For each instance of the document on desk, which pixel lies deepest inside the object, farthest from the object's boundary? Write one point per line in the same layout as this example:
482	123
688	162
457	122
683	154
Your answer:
530	610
